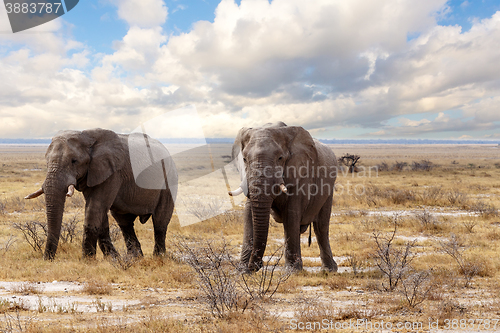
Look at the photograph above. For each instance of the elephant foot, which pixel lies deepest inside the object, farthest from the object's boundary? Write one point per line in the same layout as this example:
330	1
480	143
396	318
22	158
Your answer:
159	251
254	266
330	267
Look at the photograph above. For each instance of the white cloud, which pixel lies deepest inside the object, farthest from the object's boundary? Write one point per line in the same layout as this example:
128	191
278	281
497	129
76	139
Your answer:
142	13
319	64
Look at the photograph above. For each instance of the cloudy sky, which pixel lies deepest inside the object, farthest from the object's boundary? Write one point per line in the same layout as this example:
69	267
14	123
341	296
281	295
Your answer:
341	69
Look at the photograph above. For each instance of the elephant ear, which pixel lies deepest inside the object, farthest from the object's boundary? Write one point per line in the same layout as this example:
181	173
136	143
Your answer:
300	146
107	155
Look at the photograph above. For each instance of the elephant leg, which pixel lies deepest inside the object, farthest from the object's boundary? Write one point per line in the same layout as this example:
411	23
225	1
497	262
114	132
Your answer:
95	228
161	220
104	239
291	224
247	247
321	230
126	223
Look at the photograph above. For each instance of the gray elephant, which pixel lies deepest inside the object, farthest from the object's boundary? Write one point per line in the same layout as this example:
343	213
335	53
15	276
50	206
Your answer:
129	175
286	173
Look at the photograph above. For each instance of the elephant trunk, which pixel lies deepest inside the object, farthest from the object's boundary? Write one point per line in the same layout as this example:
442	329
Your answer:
55	197
261	210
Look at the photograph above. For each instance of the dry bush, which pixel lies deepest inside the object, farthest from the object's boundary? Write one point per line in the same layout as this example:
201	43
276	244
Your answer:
426	220
469	225
484	209
416	287
311	310
457	198
97	287
34	232
423	165
382	166
393	262
356	263
17	204
455	248
217	275
3	206
206	208
432	195
265	282
5	247
337	282
69	230
399	166
28	288
124	261
450	308
224	286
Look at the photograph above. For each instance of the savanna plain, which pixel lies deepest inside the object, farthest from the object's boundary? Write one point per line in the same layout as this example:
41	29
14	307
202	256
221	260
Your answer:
415	231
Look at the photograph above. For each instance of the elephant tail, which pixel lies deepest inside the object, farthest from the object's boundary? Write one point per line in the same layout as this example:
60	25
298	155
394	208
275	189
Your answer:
309	241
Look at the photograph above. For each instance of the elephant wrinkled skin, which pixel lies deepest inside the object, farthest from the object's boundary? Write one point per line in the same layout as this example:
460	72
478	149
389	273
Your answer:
97	163
286	173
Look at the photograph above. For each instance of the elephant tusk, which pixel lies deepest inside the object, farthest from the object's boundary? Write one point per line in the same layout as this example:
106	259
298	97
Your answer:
236	192
71	190
34	194
283	188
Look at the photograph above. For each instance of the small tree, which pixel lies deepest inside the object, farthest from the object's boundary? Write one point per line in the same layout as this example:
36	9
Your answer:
391	261
349	161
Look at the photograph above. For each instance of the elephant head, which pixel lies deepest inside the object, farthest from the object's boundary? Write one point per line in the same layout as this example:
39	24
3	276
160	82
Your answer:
271	157
76	160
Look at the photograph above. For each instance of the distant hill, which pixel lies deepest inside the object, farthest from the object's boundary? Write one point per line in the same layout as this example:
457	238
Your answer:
329	141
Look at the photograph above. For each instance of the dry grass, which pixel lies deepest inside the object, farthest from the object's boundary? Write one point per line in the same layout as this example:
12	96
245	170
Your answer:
166	288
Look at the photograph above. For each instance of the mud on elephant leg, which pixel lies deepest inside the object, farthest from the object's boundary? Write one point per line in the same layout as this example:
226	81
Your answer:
104	239
126	223
321	230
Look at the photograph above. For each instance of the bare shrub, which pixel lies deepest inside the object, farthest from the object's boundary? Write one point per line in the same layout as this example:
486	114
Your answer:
16	322
449	308
455	248
17	204
69	228
7	244
124	261
400	196
28	288
265	282
432	195
356	263
399	166
205	209
423	165
225	289
469	225
312	311
2	207
34	232
391	261
426	219
416	287
217	276
457	198
383	166
337	282
97	287
484	209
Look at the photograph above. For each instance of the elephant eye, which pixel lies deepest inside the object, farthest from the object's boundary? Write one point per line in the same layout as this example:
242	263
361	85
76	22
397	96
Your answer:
73	160
244	160
280	158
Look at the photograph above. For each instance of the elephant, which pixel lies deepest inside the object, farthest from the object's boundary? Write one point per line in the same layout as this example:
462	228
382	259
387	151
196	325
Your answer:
291	176
129	175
